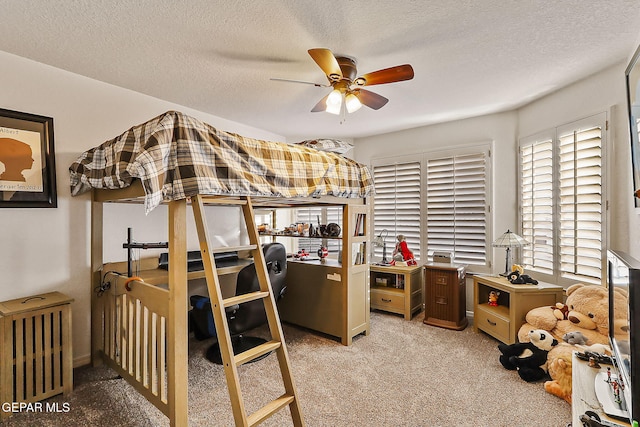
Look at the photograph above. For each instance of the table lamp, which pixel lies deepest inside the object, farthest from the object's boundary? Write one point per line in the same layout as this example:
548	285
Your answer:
380	241
509	240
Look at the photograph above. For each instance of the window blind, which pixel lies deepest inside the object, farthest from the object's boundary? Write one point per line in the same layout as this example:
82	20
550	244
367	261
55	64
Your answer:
456	219
396	206
326	215
561	195
536	177
580	202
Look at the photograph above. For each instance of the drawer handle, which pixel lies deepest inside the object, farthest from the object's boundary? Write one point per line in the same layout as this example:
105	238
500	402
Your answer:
491	323
386	300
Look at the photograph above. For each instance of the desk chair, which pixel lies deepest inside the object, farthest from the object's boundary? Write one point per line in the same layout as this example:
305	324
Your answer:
250	315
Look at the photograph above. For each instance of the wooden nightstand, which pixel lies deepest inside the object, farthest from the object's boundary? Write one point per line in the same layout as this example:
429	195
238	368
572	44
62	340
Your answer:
514	302
396	289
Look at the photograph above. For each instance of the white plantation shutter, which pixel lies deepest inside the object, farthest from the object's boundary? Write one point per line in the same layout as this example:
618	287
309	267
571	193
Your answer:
562	201
396	206
327	215
456	219
580	202
536	177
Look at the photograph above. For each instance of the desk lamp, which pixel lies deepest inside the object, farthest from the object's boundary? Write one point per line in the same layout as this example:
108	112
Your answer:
509	240
380	241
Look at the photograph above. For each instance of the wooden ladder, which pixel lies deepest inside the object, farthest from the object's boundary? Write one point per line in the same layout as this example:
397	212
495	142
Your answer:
218	305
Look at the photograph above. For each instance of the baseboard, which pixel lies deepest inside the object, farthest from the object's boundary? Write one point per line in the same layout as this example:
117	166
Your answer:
82	361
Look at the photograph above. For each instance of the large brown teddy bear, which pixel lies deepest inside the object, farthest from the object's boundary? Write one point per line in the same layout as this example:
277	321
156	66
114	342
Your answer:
587	312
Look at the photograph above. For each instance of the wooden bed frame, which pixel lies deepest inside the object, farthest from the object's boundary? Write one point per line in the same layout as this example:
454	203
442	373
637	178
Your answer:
140	333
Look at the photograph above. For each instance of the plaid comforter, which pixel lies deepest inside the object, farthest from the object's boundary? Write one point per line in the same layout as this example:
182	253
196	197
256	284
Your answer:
176	156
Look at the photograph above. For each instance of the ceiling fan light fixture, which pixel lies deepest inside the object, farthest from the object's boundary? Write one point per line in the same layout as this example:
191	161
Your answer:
334	102
352	103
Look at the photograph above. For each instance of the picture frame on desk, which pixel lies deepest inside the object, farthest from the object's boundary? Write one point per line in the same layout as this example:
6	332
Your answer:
27	161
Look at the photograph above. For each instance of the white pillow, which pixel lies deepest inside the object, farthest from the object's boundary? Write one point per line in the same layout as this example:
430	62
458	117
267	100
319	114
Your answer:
331	145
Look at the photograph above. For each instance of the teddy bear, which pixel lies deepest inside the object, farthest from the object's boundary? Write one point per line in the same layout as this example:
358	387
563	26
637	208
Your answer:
588	313
560	370
529	358
588	308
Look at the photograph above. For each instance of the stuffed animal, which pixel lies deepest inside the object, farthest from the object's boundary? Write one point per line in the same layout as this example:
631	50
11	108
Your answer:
560	310
529	358
574	338
559	369
588	311
521	279
588	314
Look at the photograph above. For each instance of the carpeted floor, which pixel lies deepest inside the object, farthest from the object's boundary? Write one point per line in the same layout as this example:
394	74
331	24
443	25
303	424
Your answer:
405	373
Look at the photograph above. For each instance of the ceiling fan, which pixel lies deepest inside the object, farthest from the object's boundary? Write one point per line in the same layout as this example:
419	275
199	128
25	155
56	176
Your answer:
347	87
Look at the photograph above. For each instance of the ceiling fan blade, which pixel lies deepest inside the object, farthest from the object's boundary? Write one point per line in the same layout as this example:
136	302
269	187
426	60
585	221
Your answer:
370	99
321	105
388	75
326	61
299	81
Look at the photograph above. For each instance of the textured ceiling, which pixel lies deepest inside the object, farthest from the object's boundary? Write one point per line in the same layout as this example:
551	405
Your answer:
470	57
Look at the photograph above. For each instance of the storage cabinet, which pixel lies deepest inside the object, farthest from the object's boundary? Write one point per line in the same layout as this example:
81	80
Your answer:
36	353
396	289
503	320
445	296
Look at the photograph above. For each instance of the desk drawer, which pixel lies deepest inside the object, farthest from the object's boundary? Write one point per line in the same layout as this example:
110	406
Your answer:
493	324
384	300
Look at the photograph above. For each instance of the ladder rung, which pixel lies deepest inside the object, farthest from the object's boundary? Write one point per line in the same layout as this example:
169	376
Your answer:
241	299
223	249
255	352
269	409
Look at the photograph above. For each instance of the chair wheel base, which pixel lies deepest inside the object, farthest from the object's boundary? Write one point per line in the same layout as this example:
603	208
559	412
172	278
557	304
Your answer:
240	344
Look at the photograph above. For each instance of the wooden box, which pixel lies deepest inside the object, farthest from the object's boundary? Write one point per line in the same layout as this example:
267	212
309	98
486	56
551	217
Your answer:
36	353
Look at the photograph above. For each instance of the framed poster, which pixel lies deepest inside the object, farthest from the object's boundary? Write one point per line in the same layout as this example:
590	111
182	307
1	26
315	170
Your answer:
27	163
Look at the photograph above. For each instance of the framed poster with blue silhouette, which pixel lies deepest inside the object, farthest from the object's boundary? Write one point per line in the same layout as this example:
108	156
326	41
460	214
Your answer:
27	161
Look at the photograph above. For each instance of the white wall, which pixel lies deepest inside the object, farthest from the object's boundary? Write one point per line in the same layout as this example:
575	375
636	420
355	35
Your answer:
46	250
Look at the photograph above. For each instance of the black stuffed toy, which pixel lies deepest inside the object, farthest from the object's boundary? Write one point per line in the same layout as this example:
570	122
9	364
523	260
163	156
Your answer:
529	358
521	279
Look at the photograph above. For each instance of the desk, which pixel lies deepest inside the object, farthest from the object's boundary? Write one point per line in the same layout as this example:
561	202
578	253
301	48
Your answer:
583	395
320	297
148	269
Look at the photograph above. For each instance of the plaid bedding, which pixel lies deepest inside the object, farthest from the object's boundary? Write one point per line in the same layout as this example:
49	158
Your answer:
176	156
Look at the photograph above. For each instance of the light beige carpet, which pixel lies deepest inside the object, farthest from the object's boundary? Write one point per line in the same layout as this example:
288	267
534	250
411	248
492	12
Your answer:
405	373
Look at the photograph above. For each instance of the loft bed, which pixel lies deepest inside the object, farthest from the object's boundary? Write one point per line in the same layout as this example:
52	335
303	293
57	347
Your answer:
140	331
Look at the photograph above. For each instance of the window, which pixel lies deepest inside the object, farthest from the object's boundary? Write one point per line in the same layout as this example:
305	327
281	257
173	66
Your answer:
562	201
439	202
319	215
396	206
456	192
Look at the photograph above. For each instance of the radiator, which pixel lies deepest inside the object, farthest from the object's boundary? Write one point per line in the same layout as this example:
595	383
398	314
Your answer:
36	353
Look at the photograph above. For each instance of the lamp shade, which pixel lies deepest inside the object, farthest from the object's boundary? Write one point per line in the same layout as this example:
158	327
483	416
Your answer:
510	240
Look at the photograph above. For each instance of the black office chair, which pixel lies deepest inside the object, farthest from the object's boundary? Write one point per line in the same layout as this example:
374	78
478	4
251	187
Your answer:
250	315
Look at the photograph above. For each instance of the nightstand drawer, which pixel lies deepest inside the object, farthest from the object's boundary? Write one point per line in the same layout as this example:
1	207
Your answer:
384	300
493	324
